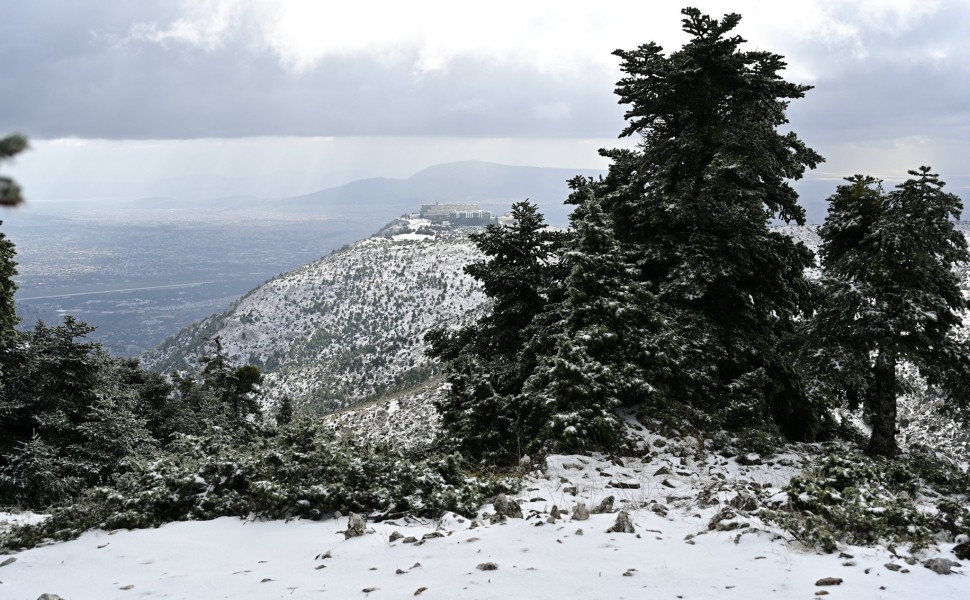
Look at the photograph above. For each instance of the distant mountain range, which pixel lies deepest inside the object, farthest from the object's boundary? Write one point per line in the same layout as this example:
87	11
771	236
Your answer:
367	204
492	186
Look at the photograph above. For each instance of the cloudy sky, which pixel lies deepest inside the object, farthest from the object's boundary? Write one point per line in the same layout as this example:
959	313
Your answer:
201	98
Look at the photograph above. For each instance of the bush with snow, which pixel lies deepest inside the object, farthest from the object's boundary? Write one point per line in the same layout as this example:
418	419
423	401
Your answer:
300	471
851	498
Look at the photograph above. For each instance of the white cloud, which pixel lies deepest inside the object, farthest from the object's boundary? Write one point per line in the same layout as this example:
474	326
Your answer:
554	36
206	24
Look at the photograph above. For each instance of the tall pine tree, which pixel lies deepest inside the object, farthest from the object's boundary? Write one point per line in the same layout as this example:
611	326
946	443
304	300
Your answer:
892	294
10	195
694	200
610	343
483	413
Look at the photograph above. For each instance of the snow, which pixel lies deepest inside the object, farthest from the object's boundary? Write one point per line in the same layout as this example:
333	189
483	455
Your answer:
411	237
19	518
675	552
231	558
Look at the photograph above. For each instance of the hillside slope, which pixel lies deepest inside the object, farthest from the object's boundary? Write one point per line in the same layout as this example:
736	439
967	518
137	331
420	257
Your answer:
347	327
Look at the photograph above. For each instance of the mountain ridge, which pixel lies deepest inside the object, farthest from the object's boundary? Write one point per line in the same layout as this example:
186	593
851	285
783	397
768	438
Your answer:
493	185
345	328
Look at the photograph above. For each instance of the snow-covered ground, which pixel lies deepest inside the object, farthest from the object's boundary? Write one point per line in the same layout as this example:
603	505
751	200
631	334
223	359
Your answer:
229	558
683	546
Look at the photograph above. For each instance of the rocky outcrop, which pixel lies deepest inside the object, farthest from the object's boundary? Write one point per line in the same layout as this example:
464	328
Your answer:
623	524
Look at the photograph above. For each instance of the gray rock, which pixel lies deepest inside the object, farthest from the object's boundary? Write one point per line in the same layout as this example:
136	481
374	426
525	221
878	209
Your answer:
623	524
49	597
580	512
725	514
553	515
727	525
395	536
9	561
829	581
487	566
605	506
943	566
624	485
355	526
506	507
745	501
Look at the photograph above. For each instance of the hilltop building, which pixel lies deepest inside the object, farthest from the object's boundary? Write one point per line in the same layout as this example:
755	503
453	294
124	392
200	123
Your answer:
456	214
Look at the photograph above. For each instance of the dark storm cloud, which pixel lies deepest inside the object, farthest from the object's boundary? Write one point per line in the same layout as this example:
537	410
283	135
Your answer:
75	76
71	69
915	82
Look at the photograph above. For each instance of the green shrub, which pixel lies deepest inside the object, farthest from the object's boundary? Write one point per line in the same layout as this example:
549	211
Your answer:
938	471
854	499
301	472
760	441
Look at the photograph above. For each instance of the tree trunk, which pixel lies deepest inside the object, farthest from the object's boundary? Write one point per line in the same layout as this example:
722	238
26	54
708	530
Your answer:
883	440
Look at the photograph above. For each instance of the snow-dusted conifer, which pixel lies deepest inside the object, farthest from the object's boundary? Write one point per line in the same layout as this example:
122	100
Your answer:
891	294
610	343
68	416
695	198
482	414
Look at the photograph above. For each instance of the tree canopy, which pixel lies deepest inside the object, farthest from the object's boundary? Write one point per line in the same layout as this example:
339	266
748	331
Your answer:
694	200
892	293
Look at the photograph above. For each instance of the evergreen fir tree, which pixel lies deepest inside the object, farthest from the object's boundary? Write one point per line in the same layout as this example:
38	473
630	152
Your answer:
66	416
223	395
694	201
892	294
8	307
156	403
610	343
10	195
482	413
10	146
284	412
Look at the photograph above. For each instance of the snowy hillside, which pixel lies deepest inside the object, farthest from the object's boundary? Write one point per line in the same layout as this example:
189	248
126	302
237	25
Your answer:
694	530
347	327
